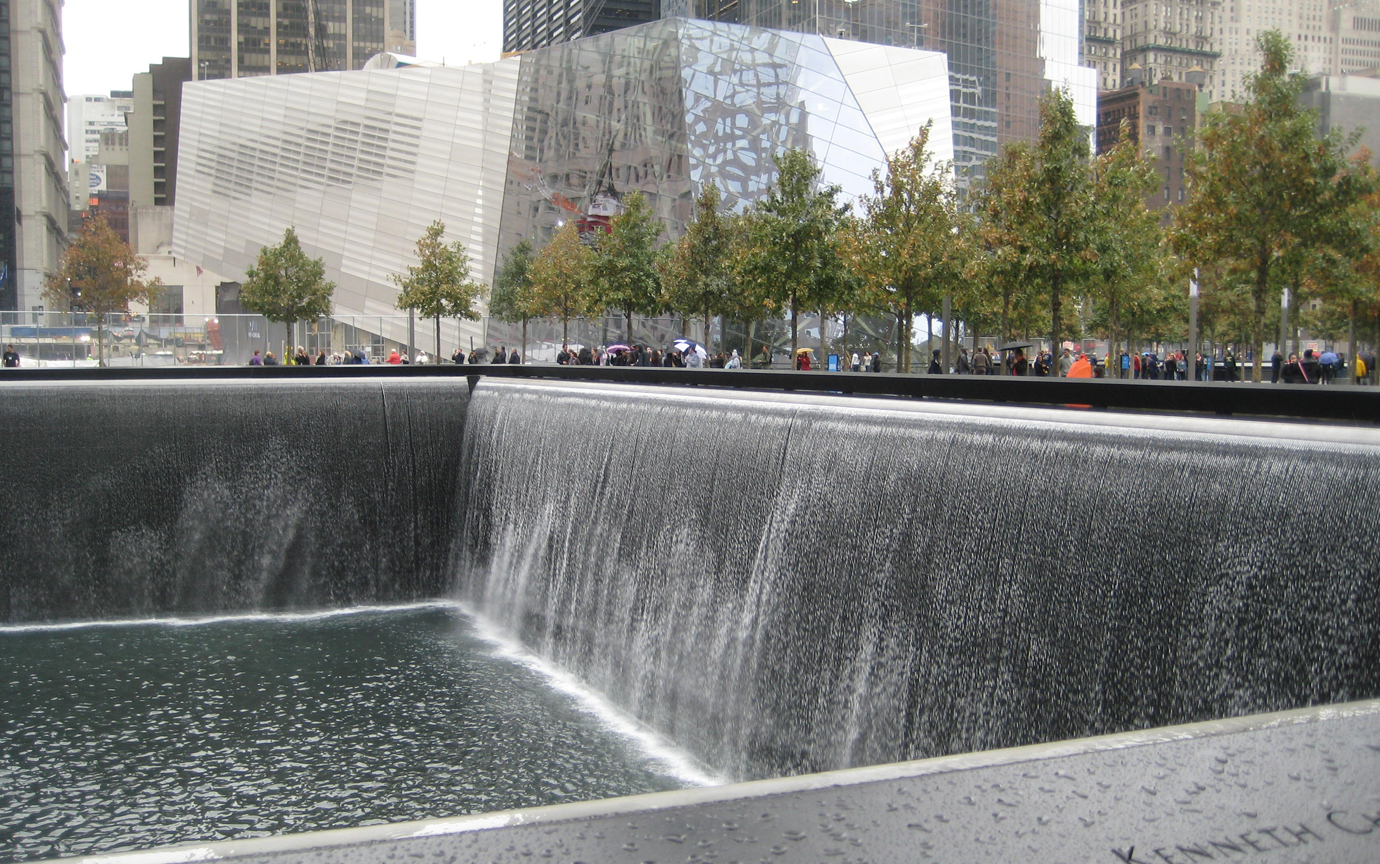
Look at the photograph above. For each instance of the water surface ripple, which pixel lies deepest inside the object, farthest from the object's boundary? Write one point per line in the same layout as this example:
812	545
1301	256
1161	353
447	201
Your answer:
124	737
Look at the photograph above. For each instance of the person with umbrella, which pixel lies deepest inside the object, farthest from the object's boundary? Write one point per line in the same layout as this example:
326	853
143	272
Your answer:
1329	362
802	359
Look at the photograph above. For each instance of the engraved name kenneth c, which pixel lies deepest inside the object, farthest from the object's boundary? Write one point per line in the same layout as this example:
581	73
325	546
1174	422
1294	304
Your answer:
1230	847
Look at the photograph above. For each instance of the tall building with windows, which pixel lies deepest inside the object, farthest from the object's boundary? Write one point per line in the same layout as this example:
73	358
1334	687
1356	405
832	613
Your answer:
1102	41
1355	26
90	114
1174	39
400	37
33	151
245	38
153	132
529	24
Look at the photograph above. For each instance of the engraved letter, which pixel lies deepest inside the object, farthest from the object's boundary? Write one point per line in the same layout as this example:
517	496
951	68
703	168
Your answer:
1301	832
1227	846
1195	851
1335	817
1128	857
1270	832
1251	843
1164	857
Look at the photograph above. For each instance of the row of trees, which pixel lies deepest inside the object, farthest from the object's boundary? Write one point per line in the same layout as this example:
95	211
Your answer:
1052	233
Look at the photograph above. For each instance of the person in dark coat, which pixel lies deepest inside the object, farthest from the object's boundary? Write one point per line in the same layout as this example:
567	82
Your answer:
1291	372
458	357
935	367
877	361
563	355
477	356
1312	369
1276	362
501	355
514	358
12	357
1230	366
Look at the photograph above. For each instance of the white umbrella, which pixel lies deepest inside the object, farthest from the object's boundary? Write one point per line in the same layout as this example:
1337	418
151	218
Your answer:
683	345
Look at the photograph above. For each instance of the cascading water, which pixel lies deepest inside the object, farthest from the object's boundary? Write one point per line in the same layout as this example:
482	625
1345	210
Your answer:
130	499
797	585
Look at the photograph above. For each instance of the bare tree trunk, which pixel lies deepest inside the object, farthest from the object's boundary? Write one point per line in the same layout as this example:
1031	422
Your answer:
795	321
823	349
524	340
438	339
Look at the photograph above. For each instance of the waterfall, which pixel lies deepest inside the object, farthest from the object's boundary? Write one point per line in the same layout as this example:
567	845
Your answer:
786	585
133	499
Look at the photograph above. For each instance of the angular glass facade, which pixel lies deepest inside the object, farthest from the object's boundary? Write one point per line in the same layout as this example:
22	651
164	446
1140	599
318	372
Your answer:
361	162
1002	54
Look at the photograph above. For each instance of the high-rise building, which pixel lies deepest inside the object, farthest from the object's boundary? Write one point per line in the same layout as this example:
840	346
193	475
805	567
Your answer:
153	132
245	38
529	24
1102	41
1174	39
1163	119
1002	54
90	114
111	199
33	151
1355	37
401	34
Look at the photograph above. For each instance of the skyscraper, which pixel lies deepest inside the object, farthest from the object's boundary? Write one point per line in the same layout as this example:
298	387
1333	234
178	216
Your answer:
244	38
400	36
33	184
529	24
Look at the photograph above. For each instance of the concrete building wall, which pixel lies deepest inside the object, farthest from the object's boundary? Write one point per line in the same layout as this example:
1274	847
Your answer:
1347	103
40	148
153	132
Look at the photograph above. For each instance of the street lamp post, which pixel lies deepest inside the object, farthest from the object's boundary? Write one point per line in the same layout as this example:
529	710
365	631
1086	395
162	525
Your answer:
1192	362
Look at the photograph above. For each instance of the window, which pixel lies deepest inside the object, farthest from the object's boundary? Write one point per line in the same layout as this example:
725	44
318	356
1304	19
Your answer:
1169	131
1149	130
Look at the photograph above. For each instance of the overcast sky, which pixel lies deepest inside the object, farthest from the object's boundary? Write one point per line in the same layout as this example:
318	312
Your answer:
107	42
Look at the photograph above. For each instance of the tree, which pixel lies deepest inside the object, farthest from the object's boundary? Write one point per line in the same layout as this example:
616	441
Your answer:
440	285
1265	188
285	285
99	274
697	274
512	299
1129	255
1040	198
561	275
789	256
905	247
1004	204
624	268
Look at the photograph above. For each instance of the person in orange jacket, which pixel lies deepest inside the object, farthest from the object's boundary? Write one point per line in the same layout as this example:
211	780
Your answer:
1081	368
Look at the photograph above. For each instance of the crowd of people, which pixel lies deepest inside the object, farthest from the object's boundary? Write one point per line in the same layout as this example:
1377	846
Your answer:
1313	367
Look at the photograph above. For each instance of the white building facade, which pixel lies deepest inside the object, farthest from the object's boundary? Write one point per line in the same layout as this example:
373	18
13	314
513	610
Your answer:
360	163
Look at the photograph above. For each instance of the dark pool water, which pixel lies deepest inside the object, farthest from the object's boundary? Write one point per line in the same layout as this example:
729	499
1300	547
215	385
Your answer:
125	737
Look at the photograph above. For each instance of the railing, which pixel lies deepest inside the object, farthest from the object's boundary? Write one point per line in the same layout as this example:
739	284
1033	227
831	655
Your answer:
1313	402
